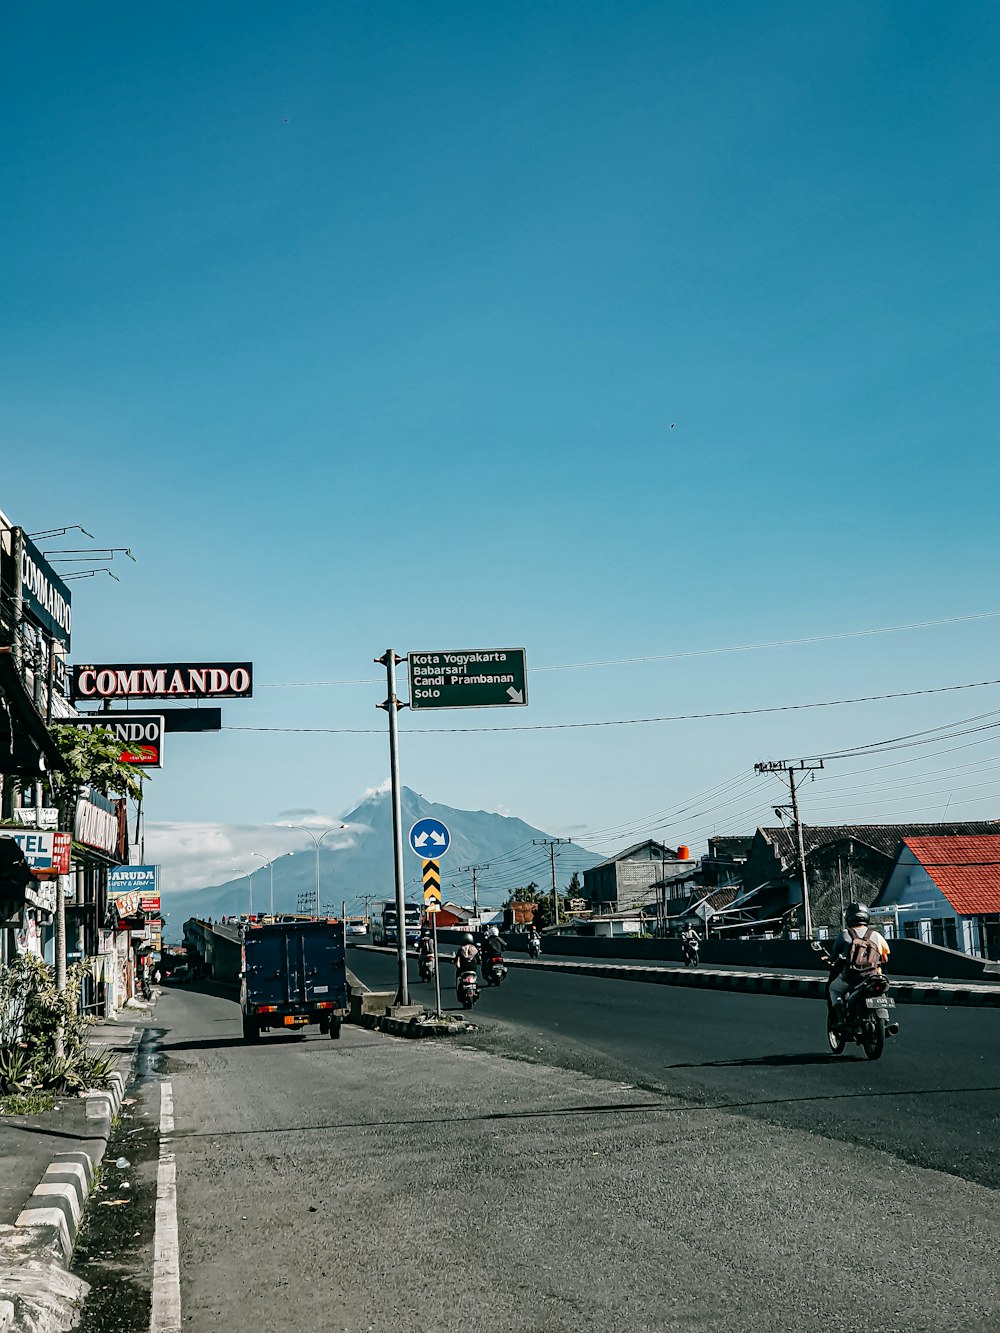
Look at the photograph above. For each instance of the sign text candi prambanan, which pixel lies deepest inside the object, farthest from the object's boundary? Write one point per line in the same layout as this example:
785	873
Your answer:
163	680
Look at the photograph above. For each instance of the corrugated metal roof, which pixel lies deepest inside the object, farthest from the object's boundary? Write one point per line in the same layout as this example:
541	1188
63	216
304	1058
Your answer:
965	869
884	838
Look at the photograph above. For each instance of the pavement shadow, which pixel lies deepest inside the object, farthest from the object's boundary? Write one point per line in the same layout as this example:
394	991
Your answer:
806	1058
221	1043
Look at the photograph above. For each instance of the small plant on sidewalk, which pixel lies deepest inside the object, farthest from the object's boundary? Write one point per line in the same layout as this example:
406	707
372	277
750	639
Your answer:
32	1011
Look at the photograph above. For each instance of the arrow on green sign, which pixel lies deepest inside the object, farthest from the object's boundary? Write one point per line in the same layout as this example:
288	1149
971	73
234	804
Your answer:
468	678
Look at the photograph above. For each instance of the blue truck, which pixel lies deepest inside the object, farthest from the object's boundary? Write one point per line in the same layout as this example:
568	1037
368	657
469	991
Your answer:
293	973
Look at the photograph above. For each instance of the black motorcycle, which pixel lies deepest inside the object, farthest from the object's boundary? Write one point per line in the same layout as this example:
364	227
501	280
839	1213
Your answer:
534	947
426	967
864	1016
691	953
494	970
467	989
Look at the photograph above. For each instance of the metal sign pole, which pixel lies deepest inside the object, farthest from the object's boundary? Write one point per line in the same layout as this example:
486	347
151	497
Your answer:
437	963
391	706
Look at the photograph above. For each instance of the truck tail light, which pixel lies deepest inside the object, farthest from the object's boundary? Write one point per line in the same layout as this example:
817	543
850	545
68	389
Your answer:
267	1009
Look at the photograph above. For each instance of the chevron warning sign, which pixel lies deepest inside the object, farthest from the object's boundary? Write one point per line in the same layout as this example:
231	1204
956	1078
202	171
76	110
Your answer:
432	885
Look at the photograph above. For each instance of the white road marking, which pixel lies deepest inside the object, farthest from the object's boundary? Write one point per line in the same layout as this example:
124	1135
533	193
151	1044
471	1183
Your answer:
165	1316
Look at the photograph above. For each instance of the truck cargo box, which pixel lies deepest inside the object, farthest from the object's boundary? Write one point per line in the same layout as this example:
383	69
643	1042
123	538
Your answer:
293	973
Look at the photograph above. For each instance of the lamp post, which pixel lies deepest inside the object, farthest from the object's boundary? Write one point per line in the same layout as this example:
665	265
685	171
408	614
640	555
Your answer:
316	842
249	879
270	867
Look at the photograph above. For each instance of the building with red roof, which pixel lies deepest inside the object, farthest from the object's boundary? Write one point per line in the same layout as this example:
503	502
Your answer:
946	890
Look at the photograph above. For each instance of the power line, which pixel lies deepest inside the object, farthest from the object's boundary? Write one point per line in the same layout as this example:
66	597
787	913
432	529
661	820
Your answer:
674	657
647	721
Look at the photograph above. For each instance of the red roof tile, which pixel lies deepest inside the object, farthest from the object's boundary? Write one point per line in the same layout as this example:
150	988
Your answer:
965	869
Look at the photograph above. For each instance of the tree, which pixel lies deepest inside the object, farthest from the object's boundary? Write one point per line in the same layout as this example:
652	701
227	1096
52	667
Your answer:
526	893
575	889
93	759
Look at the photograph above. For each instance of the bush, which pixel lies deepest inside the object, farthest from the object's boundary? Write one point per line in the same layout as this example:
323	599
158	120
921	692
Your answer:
32	1010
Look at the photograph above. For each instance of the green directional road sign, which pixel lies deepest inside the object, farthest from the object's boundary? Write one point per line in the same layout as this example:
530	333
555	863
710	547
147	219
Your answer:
468	678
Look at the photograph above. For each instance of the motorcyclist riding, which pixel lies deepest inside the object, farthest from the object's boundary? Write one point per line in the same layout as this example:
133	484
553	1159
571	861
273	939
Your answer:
425	951
691	941
857	927
466	956
534	942
492	949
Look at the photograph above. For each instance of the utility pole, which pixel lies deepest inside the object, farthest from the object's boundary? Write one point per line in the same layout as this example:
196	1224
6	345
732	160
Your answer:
392	705
461	870
552	844
789	769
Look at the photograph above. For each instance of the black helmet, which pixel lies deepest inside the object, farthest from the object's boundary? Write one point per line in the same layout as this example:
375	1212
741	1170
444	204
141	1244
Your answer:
857	914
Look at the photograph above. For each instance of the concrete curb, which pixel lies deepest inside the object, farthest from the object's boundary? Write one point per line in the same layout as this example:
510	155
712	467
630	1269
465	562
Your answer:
37	1291
764	983
413	1027
58	1199
768	983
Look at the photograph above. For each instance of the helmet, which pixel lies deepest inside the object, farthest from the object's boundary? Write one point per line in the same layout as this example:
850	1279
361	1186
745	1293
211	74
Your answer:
857	914
493	932
467	938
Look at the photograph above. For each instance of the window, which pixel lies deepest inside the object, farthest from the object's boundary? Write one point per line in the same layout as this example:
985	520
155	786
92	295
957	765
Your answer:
911	930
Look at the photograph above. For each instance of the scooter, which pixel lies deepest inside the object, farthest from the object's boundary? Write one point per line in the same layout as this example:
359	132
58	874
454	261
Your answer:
864	1016
691	948
494	970
426	967
534	947
467	989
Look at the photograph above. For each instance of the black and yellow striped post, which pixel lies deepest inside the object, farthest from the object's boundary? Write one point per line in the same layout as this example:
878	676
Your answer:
432	905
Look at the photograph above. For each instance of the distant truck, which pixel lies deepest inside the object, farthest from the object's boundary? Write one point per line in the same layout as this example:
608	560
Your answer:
293	973
384	923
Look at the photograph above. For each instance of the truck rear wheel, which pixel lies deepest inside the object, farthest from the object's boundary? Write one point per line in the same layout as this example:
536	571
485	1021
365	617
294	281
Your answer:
335	1028
324	1026
251	1030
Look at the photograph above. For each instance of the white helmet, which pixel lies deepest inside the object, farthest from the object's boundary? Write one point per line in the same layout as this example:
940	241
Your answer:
493	931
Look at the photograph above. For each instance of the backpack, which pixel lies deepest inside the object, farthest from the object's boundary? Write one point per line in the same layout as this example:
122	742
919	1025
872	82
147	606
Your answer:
863	958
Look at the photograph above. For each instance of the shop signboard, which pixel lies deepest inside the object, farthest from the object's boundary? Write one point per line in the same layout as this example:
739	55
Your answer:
139	734
121	879
44	596
37	817
127	904
46	851
162	680
96	823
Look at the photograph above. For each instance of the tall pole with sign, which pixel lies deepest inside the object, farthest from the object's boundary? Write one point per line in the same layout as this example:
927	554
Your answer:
392	706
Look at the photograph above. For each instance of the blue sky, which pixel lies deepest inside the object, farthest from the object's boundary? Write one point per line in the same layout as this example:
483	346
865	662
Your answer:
366	324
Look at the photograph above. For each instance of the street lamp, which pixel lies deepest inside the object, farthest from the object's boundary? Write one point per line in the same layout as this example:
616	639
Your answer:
270	866
316	841
249	879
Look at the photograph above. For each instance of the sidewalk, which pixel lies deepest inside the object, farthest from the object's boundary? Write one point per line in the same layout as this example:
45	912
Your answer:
47	1167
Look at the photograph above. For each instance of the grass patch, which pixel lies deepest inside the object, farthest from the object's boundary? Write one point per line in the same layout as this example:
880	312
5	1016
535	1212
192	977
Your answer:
28	1103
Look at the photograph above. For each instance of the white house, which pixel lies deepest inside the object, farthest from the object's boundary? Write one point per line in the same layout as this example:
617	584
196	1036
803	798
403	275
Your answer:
946	890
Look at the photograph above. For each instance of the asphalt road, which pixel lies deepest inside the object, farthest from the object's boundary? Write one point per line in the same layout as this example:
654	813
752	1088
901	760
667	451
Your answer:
933	1100
375	1184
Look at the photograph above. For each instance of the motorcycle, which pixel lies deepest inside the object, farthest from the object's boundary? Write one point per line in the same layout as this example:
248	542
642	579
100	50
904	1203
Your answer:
494	971
864	1015
691	953
467	989
534	947
145	989
426	967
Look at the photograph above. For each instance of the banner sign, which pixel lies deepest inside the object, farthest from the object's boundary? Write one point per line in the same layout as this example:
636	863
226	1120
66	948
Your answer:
123	879
163	680
46	852
45	595
140	734
127	905
47	817
96	827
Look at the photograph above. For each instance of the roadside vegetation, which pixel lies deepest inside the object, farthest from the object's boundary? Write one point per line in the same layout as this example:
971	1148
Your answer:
32	1012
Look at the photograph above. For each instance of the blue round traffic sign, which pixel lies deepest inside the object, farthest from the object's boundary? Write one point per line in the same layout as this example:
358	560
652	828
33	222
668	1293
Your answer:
429	838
